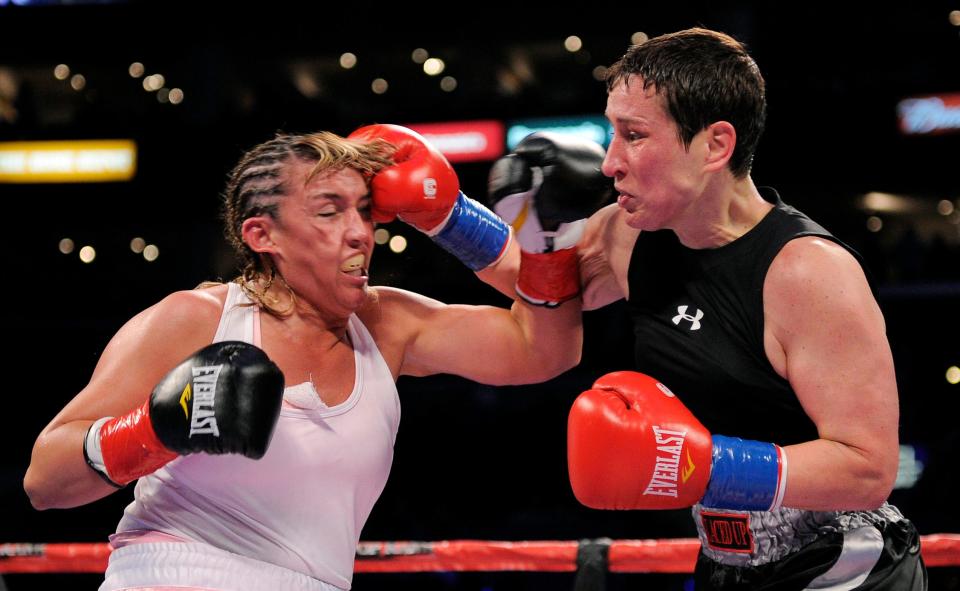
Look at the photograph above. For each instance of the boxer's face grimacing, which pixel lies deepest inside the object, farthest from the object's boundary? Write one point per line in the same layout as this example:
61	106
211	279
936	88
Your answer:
324	236
656	177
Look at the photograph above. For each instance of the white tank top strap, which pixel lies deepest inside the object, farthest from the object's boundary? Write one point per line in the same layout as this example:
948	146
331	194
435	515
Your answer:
361	339
240	320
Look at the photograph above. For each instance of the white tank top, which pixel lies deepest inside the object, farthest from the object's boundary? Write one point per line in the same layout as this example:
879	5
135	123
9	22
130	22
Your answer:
303	504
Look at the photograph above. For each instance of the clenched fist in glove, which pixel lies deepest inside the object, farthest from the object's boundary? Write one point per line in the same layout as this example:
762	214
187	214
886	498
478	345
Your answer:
546	189
422	189
225	398
631	444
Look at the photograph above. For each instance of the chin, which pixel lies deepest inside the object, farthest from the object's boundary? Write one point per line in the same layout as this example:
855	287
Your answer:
639	221
360	298
635	222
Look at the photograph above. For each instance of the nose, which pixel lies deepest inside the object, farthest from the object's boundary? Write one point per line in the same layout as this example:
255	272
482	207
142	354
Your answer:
359	228
613	165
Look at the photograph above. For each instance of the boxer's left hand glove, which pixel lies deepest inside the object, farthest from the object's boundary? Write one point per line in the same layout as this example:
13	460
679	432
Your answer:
223	399
422	189
631	444
546	189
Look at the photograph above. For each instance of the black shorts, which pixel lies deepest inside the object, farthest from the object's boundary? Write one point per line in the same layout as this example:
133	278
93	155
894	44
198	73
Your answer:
898	567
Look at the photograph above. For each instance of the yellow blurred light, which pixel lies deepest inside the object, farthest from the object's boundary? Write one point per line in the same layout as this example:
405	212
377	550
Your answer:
153	82
639	37
600	73
379	86
433	66
953	375
151	253
78	82
67	161
348	60
887	202
573	43
419	55
945	207
163	95
448	84
381	236
954	18
175	96
136	70
398	244
66	246
874	224
306	82
87	254
138	244
61	72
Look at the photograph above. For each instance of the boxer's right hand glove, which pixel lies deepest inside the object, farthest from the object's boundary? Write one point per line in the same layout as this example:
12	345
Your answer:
422	189
546	189
631	444
223	399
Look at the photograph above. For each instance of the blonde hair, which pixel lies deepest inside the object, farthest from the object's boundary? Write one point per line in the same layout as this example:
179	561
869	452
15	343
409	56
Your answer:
257	184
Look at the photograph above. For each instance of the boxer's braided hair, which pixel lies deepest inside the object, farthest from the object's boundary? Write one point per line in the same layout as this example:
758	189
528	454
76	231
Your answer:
258	182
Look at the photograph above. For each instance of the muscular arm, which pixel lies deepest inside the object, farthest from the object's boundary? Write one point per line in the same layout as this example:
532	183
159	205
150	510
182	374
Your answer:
491	345
604	253
137	357
826	335
502	275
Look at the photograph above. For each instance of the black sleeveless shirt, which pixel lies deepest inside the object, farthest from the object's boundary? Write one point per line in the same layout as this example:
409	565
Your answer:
698	322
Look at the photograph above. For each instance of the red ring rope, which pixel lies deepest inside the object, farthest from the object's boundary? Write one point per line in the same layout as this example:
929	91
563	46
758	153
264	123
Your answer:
648	556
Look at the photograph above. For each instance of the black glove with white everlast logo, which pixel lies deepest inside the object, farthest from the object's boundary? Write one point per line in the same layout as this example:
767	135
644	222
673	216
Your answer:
546	189
225	398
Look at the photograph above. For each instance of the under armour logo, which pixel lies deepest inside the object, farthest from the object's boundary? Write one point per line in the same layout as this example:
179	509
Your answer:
682	315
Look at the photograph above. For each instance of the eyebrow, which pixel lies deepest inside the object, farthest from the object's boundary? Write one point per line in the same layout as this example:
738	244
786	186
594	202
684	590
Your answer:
334	196
326	195
640	120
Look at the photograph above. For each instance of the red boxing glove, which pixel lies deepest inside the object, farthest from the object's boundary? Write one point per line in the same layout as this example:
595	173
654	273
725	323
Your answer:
421	188
633	445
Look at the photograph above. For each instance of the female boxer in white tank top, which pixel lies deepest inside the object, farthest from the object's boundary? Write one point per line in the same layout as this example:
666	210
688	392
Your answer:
298	211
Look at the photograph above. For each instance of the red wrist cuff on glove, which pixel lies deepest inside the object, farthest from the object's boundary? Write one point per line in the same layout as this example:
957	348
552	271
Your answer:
550	278
130	446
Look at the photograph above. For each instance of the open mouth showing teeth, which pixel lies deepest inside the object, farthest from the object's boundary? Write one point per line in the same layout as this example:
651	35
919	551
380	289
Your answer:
355	266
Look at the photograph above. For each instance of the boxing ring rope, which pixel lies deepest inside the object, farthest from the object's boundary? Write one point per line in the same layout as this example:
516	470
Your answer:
620	556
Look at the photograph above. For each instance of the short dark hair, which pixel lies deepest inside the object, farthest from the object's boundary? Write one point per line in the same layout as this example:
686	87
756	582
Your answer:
703	76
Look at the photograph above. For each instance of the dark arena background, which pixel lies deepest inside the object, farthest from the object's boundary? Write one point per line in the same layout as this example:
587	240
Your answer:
863	134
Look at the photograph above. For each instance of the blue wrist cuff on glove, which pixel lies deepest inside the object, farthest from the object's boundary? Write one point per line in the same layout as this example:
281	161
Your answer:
473	234
746	475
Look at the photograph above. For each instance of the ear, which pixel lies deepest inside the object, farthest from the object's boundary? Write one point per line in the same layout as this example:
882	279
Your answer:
721	139
257	232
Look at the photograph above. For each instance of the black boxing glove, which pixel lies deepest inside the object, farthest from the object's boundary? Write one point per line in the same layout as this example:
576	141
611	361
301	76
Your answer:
546	189
225	398
559	179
